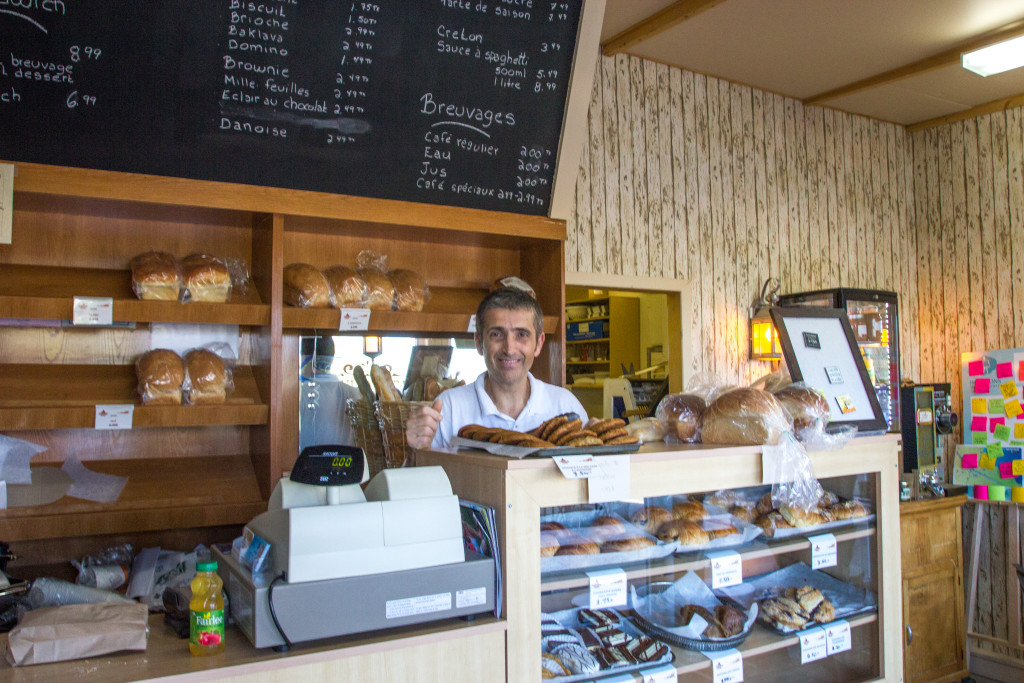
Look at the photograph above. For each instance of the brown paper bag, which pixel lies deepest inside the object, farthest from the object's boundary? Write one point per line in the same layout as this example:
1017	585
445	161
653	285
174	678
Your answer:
55	634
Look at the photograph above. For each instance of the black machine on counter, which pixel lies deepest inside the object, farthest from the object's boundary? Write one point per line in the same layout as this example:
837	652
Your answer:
926	417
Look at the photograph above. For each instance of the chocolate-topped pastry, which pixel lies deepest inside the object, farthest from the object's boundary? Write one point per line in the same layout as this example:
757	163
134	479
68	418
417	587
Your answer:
731	619
597	617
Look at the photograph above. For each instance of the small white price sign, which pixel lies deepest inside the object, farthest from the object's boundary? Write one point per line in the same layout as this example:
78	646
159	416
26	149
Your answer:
117	416
576	466
812	645
665	673
837	636
726	666
92	310
354	320
607	588
824	552
726	568
472	323
610	481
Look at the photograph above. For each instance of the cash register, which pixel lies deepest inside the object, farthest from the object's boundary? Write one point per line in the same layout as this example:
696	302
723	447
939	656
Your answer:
348	560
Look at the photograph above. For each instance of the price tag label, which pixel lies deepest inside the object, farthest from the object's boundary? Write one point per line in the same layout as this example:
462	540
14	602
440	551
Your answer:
92	310
726	568
812	645
837	636
576	466
354	320
824	551
472	323
115	416
607	588
666	673
611	479
726	666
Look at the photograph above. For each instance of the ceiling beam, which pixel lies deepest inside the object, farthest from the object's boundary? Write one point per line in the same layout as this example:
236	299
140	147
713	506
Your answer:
658	22
936	61
974	112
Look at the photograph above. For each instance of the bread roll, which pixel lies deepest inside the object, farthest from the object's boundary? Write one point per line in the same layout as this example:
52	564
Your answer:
347	287
385	386
305	286
606	527
718	529
575	545
626	543
689	510
681	413
686	532
380	293
804	518
410	290
206	278
806	406
156	276
651	517
745	416
160	373
207	378
548	543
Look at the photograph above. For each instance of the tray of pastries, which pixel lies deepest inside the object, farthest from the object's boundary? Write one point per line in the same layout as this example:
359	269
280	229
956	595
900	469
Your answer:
583	644
563	434
594	538
755	506
689	524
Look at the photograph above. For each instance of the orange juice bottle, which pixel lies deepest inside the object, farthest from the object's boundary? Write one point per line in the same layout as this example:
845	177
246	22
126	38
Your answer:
206	611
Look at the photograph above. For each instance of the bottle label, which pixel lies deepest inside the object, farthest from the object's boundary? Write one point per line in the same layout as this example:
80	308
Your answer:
206	628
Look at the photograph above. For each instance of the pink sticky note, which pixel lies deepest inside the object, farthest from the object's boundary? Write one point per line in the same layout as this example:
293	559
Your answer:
979	423
981	491
995	422
1020	370
1006	470
982	385
1004	370
975	368
970	461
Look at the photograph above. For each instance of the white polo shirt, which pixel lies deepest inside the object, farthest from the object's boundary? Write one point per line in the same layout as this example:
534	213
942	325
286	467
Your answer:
470	404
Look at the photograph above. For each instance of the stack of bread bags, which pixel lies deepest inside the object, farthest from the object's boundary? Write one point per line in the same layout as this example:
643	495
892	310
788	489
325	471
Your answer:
660	610
581	524
713	517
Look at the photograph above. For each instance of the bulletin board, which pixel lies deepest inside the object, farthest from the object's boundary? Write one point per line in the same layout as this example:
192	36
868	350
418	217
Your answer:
993	393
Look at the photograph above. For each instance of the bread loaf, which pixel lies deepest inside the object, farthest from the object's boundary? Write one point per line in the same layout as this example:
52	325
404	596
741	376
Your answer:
385	386
305	286
681	413
347	287
380	293
806	406
745	416
206	278
410	290
206	378
160	374
156	276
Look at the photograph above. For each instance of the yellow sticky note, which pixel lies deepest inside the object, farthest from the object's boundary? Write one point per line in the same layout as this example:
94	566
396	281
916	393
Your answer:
979	406
986	462
1018	430
1013	408
1018	468
1009	389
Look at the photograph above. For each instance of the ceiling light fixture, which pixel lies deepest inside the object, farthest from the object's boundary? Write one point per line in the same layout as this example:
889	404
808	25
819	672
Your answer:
995	59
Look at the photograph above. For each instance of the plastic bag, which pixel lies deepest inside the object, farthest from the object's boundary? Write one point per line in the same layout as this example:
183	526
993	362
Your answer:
648	429
788	466
411	291
205	278
107	569
156	276
305	286
680	414
745	416
774	381
811	417
160	374
48	592
15	455
209	374
373	268
707	385
347	287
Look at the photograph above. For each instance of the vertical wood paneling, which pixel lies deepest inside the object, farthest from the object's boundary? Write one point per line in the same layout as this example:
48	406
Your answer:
730	360
681	264
988	231
1015	173
717	236
695	262
613	180
593	258
771	190
664	249
831	225
1001	220
782	186
641	155
920	225
959	248
705	292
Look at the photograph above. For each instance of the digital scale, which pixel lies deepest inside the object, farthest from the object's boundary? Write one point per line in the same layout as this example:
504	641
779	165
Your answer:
348	561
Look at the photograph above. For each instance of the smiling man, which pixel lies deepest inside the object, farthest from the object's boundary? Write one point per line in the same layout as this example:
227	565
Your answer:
509	335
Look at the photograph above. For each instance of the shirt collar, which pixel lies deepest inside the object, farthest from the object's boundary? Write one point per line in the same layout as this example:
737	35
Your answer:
488	405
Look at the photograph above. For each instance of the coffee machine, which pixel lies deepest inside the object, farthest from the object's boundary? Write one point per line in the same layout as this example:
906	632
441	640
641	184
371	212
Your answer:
926	416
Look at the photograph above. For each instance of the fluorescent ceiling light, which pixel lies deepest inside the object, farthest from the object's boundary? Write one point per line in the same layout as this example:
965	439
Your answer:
995	59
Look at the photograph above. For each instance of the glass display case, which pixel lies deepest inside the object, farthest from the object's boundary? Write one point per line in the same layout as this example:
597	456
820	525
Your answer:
607	579
873	317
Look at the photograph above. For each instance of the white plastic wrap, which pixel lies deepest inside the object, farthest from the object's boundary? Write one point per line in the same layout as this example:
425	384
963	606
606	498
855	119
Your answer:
789	467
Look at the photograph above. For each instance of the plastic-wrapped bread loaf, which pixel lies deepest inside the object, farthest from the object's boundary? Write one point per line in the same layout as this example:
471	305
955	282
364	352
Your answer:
207	379
305	286
411	292
156	276
347	288
807	407
205	278
745	416
681	414
380	293
160	374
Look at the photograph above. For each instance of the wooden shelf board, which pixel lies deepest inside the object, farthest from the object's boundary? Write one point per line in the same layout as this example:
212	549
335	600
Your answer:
587	320
54	288
392	323
160	493
44	396
697	561
588	341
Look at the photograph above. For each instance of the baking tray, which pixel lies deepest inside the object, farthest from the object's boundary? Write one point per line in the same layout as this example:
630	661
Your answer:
747	531
520	452
577	522
655	630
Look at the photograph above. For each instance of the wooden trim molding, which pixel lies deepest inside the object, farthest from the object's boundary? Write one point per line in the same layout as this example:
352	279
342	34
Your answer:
675	13
973	112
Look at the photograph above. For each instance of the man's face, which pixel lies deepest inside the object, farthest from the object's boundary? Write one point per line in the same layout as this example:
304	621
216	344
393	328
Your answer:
509	345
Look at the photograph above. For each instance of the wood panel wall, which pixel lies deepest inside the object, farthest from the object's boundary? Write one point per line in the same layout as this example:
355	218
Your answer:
688	176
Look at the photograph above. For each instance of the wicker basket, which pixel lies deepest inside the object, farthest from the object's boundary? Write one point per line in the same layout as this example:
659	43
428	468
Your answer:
391	416
366	431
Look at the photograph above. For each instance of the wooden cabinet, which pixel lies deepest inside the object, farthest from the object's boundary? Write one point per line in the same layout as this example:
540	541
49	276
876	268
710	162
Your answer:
607	353
933	595
197	474
522	490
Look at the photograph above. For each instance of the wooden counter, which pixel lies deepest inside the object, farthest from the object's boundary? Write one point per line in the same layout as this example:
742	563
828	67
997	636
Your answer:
452	650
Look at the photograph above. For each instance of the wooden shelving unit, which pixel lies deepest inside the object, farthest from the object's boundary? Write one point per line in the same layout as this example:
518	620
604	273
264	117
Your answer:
620	347
198	473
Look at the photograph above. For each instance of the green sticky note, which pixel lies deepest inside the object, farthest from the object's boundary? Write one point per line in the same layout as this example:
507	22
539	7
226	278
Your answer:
995	451
979	438
1002	432
1017	443
995	405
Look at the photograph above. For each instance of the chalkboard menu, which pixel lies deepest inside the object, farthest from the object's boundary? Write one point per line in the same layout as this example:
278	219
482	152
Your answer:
456	102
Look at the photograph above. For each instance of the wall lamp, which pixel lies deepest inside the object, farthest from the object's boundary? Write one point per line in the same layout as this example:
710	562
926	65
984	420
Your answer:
764	338
372	346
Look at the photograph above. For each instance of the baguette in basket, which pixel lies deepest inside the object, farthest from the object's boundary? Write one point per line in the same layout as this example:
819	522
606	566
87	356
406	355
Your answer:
385	386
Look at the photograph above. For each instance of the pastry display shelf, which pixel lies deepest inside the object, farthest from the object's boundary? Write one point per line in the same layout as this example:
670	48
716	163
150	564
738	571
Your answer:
697	562
160	493
39	396
47	293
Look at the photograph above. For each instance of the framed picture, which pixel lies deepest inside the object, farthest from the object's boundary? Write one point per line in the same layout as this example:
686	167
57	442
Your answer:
428	361
821	352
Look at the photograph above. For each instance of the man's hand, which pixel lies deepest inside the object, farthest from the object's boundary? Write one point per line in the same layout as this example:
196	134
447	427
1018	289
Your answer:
422	425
